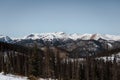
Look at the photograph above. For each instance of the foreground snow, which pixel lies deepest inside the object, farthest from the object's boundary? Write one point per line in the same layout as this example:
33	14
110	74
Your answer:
11	77
14	77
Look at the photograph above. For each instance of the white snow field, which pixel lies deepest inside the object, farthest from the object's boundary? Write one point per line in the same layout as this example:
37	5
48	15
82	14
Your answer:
11	77
14	77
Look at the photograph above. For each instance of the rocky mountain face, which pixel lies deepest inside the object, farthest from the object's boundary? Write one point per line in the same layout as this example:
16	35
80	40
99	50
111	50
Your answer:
80	44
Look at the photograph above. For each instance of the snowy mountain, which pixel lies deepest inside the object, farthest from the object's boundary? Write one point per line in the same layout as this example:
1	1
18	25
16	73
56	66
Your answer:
5	39
75	36
80	43
63	36
91	42
48	36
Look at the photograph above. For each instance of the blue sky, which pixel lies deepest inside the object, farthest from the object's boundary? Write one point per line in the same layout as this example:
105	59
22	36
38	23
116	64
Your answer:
21	17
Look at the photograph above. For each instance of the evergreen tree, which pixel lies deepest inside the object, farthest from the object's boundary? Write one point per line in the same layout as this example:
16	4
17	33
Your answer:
34	62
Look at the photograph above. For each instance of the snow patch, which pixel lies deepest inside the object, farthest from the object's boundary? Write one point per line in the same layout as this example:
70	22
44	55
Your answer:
15	77
11	77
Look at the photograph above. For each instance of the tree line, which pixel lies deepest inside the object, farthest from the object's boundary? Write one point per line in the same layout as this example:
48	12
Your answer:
47	64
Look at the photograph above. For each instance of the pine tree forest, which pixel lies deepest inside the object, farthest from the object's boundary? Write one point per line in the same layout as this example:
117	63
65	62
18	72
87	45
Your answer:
47	64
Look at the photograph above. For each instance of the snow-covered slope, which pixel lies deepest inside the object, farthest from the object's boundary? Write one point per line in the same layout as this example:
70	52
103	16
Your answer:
14	77
75	36
105	36
11	77
49	36
5	38
111	57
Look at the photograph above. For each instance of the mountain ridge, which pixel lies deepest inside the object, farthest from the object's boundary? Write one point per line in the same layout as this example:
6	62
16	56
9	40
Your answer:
74	36
81	44
62	35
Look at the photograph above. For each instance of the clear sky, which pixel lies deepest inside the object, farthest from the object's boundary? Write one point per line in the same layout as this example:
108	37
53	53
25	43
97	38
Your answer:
21	17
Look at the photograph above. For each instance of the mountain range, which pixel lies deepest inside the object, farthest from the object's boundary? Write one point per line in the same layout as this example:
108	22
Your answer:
64	36
81	44
75	36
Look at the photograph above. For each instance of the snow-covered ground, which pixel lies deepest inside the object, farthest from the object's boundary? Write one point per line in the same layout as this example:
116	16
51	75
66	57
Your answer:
14	77
111	58
11	77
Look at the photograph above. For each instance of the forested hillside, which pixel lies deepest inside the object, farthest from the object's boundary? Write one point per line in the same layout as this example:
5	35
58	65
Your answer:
56	63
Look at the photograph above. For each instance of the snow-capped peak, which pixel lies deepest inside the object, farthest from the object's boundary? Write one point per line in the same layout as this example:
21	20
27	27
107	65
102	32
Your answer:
62	36
32	36
5	38
105	36
75	36
53	35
